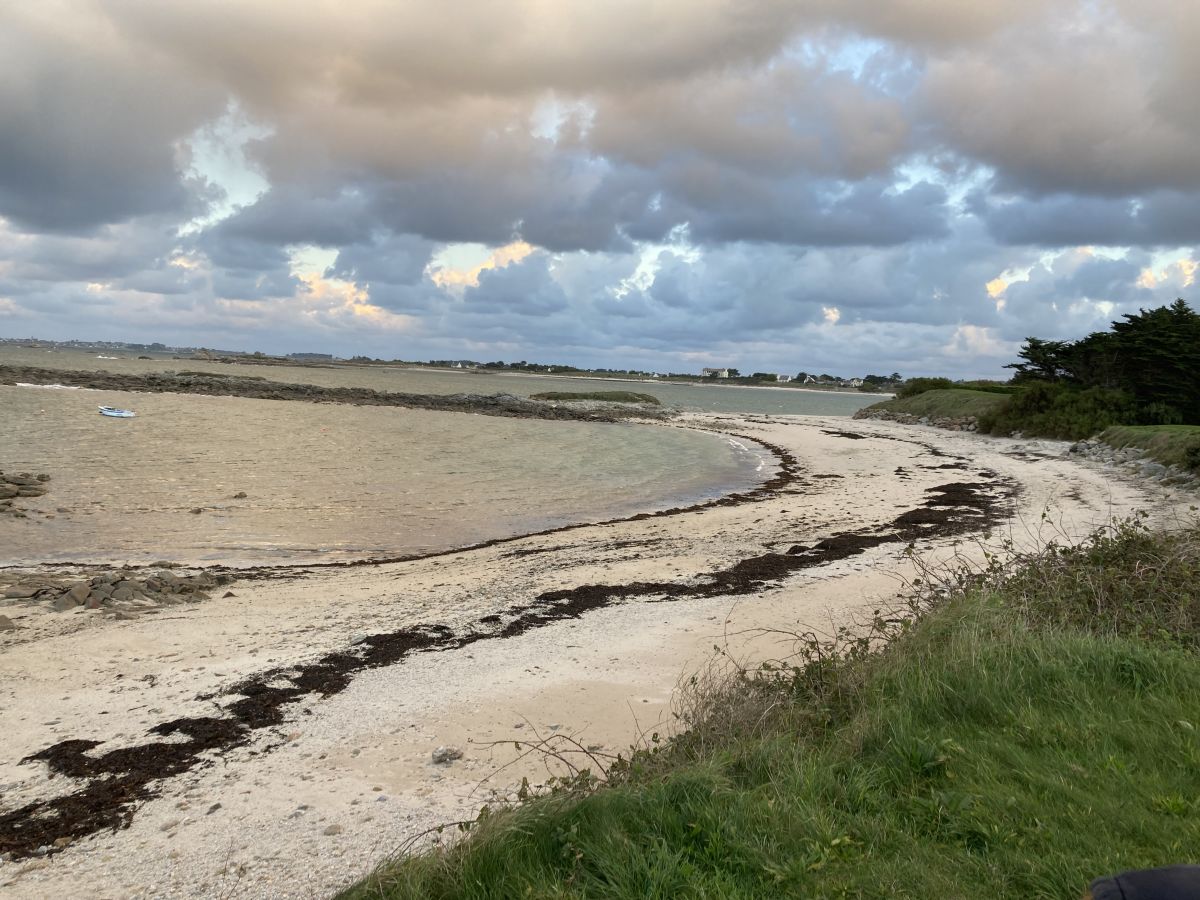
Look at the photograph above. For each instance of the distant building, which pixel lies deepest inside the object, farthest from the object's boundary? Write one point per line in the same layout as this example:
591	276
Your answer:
783	378
855	382
715	373
311	356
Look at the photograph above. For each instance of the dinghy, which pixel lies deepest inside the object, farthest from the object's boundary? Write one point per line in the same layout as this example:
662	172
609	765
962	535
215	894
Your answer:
117	413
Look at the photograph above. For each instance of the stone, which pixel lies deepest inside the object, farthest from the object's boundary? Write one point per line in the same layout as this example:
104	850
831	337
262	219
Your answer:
79	593
21	591
30	491
123	592
332	830
43	477
7	624
8	491
240	495
65	604
196	511
443	756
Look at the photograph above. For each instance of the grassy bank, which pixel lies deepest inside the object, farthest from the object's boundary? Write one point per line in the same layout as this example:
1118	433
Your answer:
945	403
1171	445
604	396
1028	728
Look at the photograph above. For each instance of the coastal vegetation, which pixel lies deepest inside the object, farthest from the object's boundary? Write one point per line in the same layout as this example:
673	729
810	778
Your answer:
1016	730
1140	372
943	403
599	396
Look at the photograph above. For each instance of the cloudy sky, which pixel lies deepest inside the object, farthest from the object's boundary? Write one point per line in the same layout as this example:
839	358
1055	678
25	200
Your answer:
849	186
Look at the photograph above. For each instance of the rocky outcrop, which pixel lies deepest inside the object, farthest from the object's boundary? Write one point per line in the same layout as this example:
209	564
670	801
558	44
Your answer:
1136	462
260	388
950	423
125	592
15	486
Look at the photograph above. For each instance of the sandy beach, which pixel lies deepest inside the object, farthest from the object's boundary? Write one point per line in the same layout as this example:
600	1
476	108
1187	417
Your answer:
584	632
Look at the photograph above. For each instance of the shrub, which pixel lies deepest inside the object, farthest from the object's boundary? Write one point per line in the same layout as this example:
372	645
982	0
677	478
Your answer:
915	386
1057	410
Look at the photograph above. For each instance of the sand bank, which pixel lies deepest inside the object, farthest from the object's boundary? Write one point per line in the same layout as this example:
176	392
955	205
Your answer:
584	632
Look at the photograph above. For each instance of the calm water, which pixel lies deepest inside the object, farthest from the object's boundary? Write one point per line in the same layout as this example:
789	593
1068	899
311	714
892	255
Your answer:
713	398
326	481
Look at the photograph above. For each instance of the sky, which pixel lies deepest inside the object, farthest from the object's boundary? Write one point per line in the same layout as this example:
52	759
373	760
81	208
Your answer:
843	186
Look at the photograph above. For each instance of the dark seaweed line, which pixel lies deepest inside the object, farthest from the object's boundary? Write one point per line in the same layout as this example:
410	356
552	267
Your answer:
119	780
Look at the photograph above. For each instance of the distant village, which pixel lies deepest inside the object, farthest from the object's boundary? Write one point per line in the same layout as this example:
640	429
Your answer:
725	374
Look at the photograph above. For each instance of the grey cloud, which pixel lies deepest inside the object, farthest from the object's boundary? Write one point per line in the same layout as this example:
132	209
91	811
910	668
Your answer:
1158	218
90	123
523	289
385	259
1075	105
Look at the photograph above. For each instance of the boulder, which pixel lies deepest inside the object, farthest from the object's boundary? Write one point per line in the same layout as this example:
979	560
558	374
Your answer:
21	591
7	624
65	604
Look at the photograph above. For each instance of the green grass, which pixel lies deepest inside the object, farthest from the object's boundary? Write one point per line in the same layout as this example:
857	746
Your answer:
605	396
1032	729
1171	445
945	403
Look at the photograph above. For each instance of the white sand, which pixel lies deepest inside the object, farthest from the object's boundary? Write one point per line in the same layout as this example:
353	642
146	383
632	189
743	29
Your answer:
260	824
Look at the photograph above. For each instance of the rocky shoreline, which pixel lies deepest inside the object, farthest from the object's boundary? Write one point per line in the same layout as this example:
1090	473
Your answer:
949	423
1136	462
124	593
17	485
255	387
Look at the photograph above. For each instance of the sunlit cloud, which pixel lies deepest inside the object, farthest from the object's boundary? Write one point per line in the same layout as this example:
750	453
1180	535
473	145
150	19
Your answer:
444	273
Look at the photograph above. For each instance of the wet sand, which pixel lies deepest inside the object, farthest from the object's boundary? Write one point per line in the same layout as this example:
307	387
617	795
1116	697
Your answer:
336	684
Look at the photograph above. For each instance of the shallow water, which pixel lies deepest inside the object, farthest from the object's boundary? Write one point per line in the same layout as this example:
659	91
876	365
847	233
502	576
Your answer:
326	481
703	397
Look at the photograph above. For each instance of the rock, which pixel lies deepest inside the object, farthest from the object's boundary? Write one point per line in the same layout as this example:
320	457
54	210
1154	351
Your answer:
332	829
21	591
65	604
22	480
443	756
196	511
79	593
43	477
240	495
123	592
8	491
228	594
7	624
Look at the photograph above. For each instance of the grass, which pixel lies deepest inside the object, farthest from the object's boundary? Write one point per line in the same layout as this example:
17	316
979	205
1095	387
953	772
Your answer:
945	403
1171	445
604	396
1025	729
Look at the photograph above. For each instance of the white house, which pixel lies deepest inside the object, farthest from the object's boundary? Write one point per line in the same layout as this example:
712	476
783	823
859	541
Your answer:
718	373
783	378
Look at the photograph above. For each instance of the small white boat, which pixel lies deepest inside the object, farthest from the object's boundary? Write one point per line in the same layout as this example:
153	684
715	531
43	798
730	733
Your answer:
117	413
